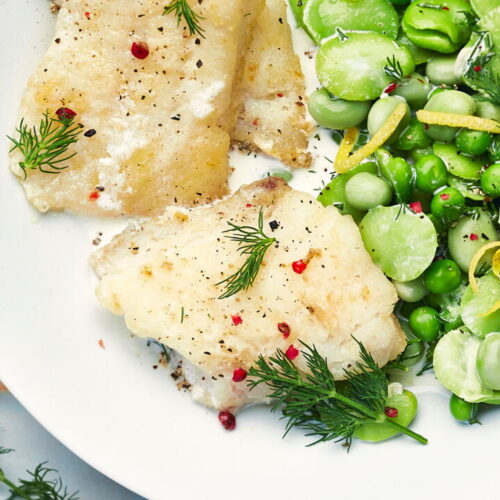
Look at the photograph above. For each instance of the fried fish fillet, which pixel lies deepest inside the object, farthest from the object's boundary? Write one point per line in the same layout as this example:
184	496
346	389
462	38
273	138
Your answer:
272	115
161	124
161	275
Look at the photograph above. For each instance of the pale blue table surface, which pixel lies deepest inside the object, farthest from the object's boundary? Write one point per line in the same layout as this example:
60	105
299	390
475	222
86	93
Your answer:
33	445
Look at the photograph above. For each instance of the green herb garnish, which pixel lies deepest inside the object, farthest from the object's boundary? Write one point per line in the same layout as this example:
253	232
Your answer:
252	242
481	77
42	484
44	147
312	401
393	69
182	11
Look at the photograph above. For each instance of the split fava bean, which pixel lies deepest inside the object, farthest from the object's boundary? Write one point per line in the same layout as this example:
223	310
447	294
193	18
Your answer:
488	361
353	68
432	27
468	235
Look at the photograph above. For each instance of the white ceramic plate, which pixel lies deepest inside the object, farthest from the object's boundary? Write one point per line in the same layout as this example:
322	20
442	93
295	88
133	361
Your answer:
129	421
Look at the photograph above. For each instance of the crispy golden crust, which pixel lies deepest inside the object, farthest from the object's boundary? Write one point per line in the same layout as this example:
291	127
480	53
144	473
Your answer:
272	115
161	123
162	275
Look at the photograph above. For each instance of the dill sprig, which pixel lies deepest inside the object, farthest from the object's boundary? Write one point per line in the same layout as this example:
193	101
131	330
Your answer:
312	402
44	148
393	69
183	10
481	77
252	241
42	484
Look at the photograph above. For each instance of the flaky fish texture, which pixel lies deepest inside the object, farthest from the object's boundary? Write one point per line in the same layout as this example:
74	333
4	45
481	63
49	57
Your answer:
162	123
272	115
161	275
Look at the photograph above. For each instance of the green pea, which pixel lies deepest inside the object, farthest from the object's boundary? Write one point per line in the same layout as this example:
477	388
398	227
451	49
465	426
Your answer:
353	68
490	180
413	136
381	110
424	323
463	410
473	142
400	175
448	205
414	89
443	30
331	112
410	291
365	191
404	402
431	173
486	109
488	361
468	235
441	69
448	101
286	175
442	276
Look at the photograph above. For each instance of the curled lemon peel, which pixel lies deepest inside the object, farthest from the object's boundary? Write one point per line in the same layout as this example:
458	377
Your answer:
347	144
495	264
475	261
457	120
378	140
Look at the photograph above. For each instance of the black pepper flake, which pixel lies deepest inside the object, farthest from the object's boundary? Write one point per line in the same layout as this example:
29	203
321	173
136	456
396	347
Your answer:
160	28
90	133
197	41
199	63
99	188
176	117
207	353
274	225
57	40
